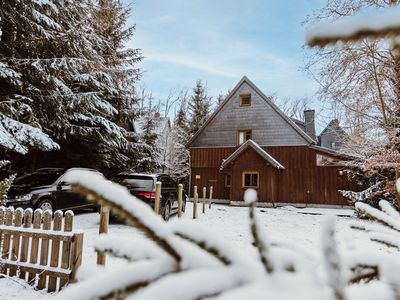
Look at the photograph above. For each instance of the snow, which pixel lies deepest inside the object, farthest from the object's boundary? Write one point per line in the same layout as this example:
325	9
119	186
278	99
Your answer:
250	196
19	137
231	225
355	25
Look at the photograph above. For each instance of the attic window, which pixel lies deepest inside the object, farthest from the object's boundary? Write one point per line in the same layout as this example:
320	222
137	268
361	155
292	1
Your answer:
245	100
243	136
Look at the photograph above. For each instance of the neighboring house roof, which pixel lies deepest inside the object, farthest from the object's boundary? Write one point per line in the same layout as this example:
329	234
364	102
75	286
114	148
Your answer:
334	126
300	124
265	98
255	147
161	124
331	151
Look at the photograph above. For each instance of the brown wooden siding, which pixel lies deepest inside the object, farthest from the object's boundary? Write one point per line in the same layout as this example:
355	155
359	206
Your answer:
302	181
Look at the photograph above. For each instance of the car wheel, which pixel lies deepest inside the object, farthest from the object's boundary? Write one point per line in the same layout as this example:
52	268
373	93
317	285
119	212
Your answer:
46	204
167	211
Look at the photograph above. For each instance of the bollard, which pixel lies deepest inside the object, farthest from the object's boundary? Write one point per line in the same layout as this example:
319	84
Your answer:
157	199
195	195
103	228
180	191
210	199
204	199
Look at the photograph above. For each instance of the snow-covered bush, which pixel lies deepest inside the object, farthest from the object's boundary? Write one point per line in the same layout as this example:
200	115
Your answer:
180	260
5	184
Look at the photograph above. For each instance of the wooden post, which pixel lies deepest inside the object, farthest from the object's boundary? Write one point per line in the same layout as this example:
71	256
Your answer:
44	252
2	217
7	237
37	221
210	199
103	229
180	192
158	196
25	240
66	248
55	250
15	239
76	255
204	199
195	195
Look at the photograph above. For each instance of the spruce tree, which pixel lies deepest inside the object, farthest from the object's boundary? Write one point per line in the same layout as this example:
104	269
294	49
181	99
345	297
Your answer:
150	160
71	82
199	108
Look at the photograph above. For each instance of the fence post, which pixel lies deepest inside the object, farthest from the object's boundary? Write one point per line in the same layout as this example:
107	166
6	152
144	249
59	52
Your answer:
103	228
15	239
66	249
37	221
47	218
158	196
25	240
195	195
180	191
210	199
55	250
76	255
204	199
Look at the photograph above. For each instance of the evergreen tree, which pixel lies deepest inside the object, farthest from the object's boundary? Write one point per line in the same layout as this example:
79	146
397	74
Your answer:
179	154
199	108
68	80
150	160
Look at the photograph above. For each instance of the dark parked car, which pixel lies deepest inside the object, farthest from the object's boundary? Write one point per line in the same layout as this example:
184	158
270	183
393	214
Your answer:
143	186
45	189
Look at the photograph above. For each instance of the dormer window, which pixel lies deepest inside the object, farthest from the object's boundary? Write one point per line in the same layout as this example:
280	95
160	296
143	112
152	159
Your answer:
245	100
243	136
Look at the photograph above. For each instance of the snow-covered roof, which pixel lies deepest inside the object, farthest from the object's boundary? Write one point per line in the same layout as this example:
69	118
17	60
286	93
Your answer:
161	124
255	147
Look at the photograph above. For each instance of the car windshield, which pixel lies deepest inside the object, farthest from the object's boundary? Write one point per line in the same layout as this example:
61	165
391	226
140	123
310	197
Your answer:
37	179
136	182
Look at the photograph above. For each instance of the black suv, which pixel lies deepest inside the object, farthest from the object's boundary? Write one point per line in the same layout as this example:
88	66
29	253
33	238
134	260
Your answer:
143	186
45	189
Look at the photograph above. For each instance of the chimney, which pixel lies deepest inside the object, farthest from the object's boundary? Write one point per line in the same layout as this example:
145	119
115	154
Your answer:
309	120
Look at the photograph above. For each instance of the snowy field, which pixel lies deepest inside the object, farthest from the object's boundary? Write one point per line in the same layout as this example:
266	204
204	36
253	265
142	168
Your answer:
286	224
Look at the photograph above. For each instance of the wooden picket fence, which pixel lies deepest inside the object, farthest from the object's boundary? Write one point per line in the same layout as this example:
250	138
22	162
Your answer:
39	249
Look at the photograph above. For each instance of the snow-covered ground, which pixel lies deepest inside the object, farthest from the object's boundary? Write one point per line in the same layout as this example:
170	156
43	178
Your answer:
287	224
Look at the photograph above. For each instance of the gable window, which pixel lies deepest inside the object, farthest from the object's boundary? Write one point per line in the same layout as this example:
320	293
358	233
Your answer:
243	136
245	100
228	180
250	180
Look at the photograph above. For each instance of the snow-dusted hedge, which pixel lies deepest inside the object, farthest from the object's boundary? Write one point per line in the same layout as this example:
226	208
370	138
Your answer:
184	261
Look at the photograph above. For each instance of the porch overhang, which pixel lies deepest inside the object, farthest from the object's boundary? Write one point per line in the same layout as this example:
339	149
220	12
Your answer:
260	151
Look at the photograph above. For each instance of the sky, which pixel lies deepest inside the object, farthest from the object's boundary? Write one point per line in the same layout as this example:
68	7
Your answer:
220	41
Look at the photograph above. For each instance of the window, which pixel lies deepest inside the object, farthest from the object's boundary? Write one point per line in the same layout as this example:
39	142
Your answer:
243	136
245	100
250	179
228	180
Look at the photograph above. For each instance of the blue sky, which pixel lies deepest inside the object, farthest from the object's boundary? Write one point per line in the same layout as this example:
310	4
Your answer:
220	41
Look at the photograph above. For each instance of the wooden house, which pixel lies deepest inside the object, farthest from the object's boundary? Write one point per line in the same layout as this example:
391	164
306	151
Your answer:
248	142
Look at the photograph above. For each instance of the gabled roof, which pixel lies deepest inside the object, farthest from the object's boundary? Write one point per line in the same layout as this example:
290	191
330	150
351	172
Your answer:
334	126
255	147
332	152
265	98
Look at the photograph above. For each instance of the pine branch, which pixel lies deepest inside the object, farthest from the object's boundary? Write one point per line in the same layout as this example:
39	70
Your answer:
261	246
203	246
129	219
